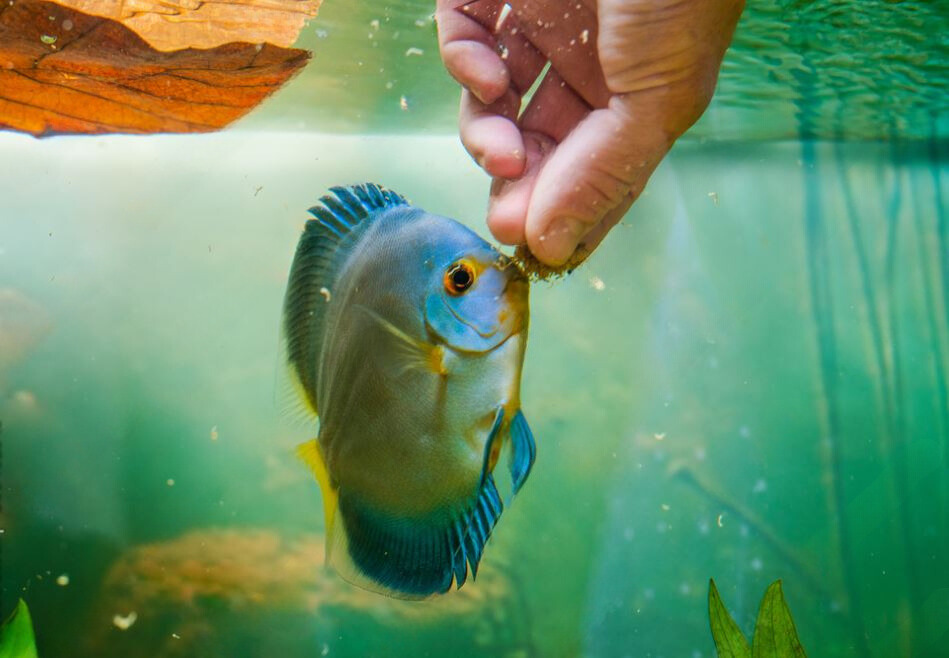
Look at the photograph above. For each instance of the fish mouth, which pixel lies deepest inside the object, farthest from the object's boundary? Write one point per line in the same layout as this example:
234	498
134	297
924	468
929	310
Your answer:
513	315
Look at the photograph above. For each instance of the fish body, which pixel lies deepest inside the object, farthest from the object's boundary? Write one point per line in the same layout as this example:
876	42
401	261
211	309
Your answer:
405	332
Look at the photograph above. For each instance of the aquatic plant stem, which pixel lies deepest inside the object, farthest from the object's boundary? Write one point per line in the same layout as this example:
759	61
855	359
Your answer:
897	445
828	412
936	339
936	158
880	316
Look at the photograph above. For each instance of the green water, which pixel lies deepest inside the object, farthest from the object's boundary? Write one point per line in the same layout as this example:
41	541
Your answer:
747	381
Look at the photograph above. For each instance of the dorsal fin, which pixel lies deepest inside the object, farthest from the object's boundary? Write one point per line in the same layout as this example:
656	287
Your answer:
313	275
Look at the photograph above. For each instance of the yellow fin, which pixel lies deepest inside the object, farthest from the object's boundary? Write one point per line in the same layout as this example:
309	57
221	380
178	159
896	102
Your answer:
309	453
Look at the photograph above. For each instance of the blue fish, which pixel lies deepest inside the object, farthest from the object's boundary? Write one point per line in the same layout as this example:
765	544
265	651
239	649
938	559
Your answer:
405	334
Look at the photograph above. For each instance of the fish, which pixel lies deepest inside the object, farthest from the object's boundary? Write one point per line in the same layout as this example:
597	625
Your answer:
404	335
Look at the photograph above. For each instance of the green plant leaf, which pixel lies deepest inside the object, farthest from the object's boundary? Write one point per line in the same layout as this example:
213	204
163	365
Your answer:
16	634
729	641
775	635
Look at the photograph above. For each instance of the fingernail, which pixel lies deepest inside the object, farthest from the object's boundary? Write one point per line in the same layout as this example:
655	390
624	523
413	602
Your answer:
560	239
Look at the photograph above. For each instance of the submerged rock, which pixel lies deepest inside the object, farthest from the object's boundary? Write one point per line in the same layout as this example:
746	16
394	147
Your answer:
254	592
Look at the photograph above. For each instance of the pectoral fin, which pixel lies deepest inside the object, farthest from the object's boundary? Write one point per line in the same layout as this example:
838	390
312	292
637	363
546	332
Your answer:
412	353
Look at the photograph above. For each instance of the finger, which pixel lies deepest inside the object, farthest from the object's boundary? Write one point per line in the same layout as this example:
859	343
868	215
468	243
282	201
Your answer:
489	134
469	49
555	109
523	60
552	113
603	164
592	239
510	199
568	37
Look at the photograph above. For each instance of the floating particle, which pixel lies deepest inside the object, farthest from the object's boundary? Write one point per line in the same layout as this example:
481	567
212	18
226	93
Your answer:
584	36
420	22
760	486
170	482
176	636
67	25
374	23
62	580
714	197
699	453
756	564
322	34
597	283
214	434
325	649
659	436
327	295
684	589
719	520
665	507
502	49
123	623
404	104
414	51
48	39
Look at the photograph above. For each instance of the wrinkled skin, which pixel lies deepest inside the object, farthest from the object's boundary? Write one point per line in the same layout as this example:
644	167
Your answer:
627	78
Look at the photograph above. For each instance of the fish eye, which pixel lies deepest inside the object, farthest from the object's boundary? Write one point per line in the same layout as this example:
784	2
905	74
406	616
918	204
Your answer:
459	277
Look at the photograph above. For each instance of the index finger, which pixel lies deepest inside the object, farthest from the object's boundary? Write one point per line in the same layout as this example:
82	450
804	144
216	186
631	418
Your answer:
468	47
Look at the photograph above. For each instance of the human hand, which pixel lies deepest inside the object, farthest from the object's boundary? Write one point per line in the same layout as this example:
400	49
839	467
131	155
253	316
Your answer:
626	79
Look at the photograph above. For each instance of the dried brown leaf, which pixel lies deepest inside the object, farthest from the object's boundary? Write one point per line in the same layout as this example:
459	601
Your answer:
177	24
62	71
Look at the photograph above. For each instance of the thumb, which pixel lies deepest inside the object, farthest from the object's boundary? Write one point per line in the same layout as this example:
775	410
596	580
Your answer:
590	179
